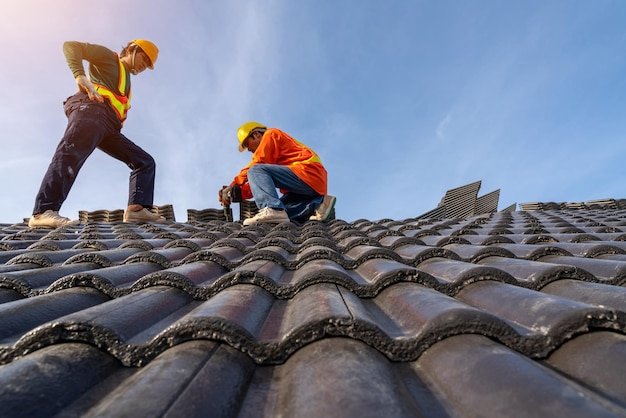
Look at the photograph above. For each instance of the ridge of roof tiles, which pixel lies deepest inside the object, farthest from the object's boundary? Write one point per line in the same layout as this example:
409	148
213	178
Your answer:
499	314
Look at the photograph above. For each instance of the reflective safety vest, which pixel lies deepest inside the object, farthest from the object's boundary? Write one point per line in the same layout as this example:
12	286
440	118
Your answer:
118	100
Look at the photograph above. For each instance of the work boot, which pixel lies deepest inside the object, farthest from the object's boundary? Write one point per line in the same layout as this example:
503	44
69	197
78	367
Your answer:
51	219
268	215
143	215
325	209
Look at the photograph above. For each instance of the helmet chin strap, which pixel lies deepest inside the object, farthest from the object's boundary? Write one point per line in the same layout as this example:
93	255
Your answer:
132	69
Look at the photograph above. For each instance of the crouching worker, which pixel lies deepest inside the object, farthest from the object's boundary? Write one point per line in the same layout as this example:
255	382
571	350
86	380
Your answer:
95	116
280	162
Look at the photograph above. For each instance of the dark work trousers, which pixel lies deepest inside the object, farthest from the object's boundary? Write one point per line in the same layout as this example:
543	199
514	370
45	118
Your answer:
93	125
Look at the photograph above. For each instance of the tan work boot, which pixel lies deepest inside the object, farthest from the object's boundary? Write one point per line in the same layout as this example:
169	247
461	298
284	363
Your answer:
325	209
268	215
51	219
142	215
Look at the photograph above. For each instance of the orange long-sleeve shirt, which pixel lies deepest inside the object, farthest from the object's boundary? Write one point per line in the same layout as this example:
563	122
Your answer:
277	147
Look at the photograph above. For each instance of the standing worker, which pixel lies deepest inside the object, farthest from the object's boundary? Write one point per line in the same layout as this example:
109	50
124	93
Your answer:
95	116
280	161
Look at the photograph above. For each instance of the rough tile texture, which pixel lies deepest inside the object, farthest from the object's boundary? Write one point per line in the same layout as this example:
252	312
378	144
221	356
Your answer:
493	315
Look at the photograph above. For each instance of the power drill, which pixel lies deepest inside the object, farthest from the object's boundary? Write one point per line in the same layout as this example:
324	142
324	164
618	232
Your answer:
233	196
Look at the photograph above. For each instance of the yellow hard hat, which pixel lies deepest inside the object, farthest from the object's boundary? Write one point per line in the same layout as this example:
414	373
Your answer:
149	48
244	131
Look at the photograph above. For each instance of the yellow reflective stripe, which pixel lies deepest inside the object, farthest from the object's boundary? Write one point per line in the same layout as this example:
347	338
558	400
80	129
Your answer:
121	85
120	107
313	159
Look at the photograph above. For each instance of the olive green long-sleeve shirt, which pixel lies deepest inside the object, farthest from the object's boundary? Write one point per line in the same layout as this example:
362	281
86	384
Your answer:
104	67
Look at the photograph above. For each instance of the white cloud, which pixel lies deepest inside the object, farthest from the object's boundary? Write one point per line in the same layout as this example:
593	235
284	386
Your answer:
442	126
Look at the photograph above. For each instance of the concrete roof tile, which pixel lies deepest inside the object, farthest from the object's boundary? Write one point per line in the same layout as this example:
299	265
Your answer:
434	317
472	373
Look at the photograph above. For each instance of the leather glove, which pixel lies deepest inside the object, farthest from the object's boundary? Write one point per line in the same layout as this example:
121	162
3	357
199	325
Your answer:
224	195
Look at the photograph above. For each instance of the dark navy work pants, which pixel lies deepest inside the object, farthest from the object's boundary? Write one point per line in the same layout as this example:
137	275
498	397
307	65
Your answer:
93	125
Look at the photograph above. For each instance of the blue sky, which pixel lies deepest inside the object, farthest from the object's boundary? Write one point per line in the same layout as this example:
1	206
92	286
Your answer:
403	100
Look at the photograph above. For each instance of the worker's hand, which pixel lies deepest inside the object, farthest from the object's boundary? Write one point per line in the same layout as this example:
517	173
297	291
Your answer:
224	195
87	86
